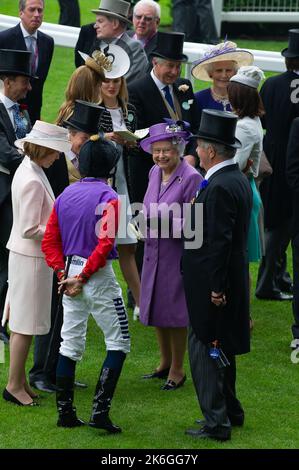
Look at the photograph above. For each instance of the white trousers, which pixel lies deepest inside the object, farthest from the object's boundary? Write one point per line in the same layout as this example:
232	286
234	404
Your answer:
101	297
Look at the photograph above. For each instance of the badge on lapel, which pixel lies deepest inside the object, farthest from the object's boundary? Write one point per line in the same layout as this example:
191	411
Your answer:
186	104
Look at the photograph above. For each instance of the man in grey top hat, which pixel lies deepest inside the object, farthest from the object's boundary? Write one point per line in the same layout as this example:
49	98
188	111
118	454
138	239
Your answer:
110	26
14	123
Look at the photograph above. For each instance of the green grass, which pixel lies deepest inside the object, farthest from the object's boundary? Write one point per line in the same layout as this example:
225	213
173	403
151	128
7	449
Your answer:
267	386
267	380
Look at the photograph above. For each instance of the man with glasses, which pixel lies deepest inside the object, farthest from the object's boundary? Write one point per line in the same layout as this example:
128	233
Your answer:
146	20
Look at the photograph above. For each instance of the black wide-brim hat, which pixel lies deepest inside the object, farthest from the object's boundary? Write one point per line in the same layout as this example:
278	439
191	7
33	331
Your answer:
85	117
170	46
218	126
15	62
292	50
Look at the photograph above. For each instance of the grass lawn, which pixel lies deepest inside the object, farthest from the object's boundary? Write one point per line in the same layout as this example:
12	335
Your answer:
151	418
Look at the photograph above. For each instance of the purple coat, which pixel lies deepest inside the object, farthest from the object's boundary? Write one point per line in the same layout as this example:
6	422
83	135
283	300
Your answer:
162	300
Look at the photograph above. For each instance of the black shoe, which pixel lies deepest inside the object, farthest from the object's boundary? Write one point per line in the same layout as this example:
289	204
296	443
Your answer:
69	420
237	420
172	385
9	397
218	433
106	424
43	386
4	337
80	384
161	374
276	296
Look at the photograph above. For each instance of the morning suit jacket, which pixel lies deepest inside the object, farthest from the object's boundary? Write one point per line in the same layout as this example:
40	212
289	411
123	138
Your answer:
13	38
88	42
10	158
280	112
151	109
221	263
292	172
148	48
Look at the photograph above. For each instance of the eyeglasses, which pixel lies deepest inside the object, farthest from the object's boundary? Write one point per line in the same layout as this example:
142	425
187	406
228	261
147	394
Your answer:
166	151
147	19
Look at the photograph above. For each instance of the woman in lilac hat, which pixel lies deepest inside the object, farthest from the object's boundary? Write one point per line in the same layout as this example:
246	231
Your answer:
172	183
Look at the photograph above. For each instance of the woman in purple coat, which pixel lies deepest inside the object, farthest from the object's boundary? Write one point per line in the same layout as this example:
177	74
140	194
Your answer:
172	185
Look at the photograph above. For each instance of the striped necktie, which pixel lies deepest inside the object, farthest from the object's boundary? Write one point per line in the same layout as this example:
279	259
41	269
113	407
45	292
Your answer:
34	53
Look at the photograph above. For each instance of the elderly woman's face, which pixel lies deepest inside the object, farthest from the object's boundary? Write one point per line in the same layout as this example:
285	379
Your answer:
222	72
165	155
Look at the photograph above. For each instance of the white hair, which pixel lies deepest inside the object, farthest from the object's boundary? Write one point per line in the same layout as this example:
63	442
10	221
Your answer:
149	3
211	67
220	149
179	143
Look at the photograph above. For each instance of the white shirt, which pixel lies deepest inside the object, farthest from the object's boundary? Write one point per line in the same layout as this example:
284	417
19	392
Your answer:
218	166
8	103
161	85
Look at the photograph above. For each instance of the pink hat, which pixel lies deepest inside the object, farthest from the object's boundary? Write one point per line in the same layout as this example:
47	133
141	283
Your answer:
165	131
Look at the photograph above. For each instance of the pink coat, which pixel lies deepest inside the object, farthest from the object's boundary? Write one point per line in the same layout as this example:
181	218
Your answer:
162	300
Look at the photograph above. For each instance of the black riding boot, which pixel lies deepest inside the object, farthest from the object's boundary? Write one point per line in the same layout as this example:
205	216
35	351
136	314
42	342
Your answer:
64	400
102	400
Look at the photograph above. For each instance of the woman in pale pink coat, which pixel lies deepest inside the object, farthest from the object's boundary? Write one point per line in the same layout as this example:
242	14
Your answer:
29	278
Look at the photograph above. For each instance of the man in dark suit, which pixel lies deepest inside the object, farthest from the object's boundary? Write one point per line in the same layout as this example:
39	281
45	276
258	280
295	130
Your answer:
216	277
161	94
146	20
277	92
292	175
25	36
110	26
14	124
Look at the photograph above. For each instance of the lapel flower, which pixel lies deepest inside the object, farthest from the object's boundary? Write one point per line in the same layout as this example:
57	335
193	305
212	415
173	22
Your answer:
203	184
183	88
23	107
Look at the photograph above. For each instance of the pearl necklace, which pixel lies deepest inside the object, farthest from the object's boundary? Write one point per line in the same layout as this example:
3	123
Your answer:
220	99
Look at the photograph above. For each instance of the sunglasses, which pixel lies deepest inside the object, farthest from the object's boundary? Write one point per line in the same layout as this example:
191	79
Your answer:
147	19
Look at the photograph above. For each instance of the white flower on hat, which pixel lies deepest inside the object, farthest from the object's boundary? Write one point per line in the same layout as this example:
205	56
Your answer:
249	75
183	88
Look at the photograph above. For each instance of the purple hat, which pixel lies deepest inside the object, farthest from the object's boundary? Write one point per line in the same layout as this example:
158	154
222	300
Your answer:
164	131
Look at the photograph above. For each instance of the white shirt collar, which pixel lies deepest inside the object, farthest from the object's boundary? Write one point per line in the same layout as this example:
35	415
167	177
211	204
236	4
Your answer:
8	103
158	82
218	166
25	32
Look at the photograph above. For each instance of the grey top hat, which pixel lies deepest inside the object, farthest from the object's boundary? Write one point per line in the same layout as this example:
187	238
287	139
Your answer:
292	50
115	8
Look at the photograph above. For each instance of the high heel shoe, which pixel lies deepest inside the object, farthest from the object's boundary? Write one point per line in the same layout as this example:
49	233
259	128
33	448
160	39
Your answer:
9	397
172	385
161	374
136	313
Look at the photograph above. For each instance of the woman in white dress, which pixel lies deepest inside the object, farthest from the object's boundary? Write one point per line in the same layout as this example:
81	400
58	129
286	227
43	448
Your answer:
120	115
29	277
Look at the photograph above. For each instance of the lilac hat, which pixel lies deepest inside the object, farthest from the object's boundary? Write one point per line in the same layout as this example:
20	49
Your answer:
165	131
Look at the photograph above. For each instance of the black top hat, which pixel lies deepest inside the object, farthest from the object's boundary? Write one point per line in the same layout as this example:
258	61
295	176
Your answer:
14	62
98	157
170	46
85	117
218	126
293	49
